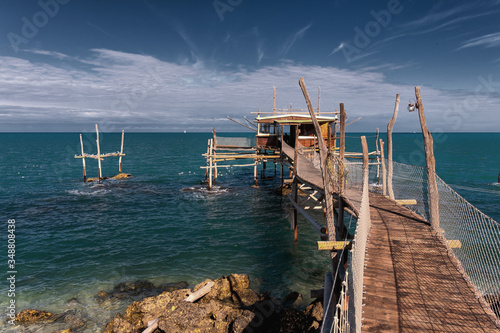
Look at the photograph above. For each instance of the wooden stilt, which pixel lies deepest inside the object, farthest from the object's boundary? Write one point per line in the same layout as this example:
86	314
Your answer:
98	154
430	162
214	144
294	213
208	160
210	166
121	152
83	160
255	174
389	148
384	179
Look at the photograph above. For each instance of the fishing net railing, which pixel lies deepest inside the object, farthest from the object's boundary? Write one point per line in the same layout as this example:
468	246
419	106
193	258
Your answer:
478	250
236	142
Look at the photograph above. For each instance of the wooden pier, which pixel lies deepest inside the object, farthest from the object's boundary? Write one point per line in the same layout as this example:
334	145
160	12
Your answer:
411	279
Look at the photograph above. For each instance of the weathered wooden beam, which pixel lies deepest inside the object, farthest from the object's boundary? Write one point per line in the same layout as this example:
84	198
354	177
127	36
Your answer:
430	162
406	202
389	148
317	227
199	293
334	245
384	174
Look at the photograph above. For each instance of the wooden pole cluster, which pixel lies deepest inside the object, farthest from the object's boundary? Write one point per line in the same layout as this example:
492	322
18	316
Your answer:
430	163
389	148
99	157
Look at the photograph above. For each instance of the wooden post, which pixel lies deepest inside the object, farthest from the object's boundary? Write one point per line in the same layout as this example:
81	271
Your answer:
210	175
83	160
121	152
208	159
255	175
499	177
342	149
294	184
389	148
384	179
214	151
327	186
98	153
365	156
430	162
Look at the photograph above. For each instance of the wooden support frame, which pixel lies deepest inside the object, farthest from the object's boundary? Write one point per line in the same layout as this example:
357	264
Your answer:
83	161
98	153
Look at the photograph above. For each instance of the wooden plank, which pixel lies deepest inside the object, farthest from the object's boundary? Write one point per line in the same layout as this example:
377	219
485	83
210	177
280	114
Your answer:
406	202
334	245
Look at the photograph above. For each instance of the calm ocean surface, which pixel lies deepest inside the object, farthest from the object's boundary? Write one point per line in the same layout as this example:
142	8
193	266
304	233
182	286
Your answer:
74	239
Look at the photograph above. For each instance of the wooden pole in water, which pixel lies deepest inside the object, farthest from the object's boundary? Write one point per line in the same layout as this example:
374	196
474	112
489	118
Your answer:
389	148
83	160
210	175
430	162
294	184
98	153
214	151
121	152
382	160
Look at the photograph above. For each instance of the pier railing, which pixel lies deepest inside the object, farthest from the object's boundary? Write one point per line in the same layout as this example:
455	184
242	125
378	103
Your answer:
475	236
472	237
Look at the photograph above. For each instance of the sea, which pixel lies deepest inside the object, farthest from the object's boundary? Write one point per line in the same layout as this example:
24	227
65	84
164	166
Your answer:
74	239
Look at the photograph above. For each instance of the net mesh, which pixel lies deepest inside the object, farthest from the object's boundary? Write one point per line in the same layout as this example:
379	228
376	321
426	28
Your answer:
235	141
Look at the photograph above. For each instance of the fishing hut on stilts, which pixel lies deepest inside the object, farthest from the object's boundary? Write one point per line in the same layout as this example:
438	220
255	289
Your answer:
100	157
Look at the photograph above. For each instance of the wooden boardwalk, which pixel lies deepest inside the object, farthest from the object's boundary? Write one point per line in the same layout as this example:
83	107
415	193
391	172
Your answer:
411	282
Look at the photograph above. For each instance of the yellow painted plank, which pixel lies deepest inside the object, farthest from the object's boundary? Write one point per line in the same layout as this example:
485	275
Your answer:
407	202
454	244
333	245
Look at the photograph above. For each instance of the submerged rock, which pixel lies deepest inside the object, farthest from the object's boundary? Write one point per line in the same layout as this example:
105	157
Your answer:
136	290
30	316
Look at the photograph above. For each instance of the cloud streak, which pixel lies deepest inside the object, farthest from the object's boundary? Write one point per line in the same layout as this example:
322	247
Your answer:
489	40
292	39
137	92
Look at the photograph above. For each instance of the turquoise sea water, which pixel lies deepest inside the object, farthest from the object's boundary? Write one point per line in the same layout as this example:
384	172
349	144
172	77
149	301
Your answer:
74	239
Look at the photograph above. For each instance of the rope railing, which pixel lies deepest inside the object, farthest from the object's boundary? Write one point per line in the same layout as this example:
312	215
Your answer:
478	235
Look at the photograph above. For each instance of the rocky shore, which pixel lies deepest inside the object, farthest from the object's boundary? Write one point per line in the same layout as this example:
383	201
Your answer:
226	304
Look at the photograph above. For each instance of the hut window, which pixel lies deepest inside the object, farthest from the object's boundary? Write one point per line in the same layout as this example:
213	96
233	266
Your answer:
267	129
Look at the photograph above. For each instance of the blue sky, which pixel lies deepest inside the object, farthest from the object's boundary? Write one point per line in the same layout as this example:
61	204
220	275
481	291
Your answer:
185	65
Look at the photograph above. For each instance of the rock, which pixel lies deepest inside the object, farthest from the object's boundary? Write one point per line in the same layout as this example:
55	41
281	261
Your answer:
292	300
315	310
232	289
69	330
230	306
30	316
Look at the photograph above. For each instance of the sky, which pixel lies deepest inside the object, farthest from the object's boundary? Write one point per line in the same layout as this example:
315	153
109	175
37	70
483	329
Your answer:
168	66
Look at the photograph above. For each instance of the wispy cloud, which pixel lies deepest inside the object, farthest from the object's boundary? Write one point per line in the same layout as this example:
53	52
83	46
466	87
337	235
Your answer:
292	39
134	92
338	48
489	40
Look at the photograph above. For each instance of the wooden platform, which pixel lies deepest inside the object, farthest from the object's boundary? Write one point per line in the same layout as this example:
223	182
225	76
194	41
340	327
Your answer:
411	282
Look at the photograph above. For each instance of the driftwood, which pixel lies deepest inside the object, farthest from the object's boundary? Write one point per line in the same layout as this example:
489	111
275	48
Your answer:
200	293
152	326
